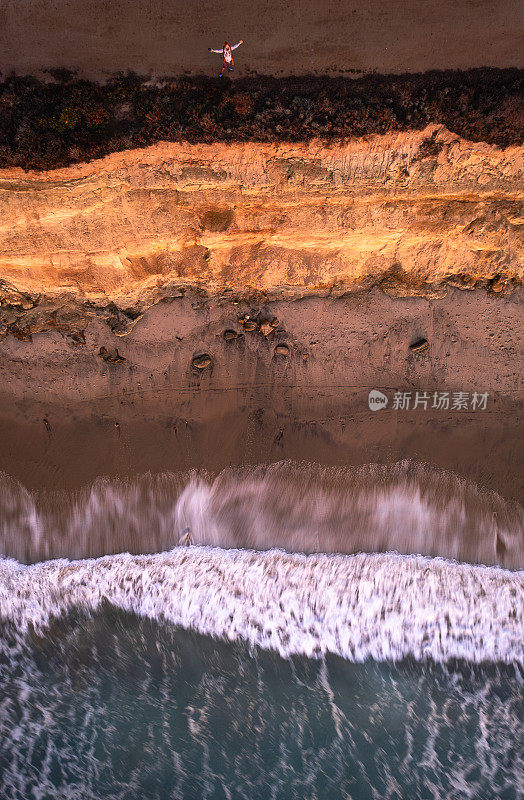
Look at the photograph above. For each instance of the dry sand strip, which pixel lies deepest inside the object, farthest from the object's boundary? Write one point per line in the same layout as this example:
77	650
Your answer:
292	37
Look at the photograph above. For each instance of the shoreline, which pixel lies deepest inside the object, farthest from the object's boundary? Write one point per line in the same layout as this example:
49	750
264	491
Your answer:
125	406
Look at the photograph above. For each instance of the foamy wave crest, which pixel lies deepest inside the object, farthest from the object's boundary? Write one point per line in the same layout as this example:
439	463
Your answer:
383	606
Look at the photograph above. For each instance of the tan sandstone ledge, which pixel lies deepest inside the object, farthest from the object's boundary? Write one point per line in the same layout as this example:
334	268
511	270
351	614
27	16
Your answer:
413	212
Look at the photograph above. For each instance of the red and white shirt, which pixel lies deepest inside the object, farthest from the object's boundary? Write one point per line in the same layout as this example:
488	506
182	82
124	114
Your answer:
226	51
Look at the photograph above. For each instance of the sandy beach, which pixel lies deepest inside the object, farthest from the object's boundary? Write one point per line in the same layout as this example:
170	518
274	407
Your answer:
261	399
99	38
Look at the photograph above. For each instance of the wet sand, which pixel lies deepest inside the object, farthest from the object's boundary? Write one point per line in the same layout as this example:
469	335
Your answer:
69	415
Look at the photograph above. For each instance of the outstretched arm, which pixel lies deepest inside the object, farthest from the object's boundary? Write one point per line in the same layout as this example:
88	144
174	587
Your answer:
238	44
215	51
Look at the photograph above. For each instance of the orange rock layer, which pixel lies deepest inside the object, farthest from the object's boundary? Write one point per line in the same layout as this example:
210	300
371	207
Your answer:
421	209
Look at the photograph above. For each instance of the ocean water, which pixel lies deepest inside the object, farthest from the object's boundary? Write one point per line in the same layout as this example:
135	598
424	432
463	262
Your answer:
236	668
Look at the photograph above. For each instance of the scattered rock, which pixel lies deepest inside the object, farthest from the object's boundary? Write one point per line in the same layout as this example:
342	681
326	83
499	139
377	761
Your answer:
11	297
76	338
121	322
281	350
230	335
111	355
21	334
251	325
419	346
202	362
461	281
497	285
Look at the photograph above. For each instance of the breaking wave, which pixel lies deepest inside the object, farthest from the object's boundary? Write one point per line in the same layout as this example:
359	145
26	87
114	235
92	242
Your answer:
380	606
231	668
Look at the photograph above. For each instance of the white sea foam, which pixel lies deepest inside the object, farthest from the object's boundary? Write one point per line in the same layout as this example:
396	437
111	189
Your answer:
383	606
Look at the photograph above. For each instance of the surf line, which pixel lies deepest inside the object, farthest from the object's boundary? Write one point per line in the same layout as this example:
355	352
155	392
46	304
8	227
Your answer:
380	606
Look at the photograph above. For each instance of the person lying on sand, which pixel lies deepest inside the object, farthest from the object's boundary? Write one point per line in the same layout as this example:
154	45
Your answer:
226	55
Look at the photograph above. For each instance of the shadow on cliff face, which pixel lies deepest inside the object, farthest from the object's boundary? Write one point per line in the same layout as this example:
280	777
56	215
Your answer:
46	125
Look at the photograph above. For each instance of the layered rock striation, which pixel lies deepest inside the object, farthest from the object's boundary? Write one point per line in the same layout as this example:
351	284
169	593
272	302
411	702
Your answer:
417	211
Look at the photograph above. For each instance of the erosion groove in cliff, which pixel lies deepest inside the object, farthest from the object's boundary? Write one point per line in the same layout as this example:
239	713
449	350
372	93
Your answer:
413	213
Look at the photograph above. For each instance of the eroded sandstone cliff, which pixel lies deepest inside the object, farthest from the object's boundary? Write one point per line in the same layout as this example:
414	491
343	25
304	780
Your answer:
416	211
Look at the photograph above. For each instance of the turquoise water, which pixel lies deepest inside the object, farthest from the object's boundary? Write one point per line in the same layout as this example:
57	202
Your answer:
116	706
132	668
